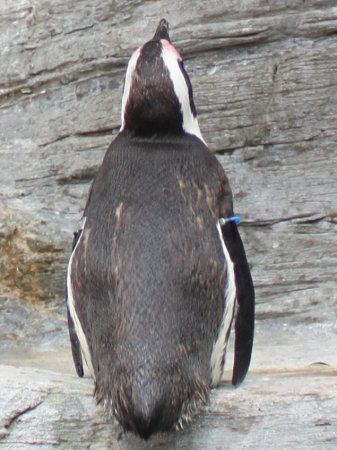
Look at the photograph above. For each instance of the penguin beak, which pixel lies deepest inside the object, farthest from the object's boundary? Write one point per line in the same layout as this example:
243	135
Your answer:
162	31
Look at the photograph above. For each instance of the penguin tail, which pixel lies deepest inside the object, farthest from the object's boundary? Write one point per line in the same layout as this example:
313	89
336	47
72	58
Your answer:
149	407
148	413
144	410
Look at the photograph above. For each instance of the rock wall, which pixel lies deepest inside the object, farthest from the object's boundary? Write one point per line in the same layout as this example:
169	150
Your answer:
264	77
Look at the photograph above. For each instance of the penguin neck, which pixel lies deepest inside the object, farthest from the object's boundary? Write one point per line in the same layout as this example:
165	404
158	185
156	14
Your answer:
153	118
158	141
158	117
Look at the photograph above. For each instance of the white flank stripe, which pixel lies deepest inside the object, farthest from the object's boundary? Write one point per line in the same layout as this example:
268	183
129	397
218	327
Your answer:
219	347
128	81
71	304
190	123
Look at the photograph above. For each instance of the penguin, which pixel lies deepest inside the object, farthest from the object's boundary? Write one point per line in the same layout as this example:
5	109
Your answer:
158	271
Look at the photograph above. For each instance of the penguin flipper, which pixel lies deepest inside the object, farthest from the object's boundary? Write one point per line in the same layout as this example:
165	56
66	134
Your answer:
245	296
75	346
75	343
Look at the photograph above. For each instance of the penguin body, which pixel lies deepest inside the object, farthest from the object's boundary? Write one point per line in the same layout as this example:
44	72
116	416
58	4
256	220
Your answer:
155	276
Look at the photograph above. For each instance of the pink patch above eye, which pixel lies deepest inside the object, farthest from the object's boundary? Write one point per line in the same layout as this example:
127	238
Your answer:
171	48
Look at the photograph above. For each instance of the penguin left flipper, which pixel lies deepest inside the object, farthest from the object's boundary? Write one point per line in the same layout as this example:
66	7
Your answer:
75	344
245	296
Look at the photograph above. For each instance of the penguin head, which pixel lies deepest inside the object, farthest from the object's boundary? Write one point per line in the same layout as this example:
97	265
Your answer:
158	96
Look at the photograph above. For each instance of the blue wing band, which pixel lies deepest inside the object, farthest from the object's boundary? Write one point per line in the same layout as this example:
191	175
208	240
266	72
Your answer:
234	219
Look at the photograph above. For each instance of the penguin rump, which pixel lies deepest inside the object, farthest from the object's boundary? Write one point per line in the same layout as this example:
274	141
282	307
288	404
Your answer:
158	273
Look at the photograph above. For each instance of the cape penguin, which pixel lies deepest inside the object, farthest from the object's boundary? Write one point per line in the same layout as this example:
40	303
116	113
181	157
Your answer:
158	270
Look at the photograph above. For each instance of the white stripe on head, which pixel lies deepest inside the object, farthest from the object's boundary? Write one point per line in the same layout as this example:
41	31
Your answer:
170	58
128	81
219	347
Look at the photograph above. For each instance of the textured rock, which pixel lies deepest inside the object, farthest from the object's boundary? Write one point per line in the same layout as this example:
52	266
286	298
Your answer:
264	77
51	409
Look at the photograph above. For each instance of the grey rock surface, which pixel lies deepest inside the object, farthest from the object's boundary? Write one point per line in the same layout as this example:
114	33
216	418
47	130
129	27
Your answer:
265	84
262	414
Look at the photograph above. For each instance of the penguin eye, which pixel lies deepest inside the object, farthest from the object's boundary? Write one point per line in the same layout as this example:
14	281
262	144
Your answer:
189	87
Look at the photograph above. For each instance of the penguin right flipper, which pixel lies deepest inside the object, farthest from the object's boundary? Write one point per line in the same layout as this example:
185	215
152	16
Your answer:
75	343
245	296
